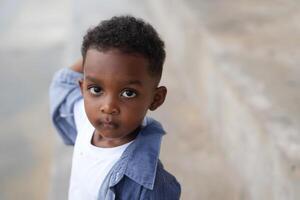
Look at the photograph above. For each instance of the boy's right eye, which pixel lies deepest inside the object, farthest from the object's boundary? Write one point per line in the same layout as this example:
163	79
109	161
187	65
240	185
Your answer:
95	90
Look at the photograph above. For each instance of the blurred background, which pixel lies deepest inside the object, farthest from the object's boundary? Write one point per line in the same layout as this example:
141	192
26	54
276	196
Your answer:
233	108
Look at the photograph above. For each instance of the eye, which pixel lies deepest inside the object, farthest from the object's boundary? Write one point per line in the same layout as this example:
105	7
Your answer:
95	90
128	94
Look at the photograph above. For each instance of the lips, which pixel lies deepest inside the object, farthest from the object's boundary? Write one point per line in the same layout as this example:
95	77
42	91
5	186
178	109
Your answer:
108	125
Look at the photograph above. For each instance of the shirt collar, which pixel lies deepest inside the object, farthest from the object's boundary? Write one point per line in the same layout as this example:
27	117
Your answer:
139	161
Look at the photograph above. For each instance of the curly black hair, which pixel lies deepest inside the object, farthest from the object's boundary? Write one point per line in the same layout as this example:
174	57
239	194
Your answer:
129	35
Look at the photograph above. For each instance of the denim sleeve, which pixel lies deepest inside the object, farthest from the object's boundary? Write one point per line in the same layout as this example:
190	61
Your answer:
64	92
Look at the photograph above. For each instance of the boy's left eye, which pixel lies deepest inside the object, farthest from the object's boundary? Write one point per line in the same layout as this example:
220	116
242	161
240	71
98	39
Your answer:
128	94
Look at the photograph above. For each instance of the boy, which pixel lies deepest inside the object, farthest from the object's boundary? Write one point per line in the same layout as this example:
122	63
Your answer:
116	148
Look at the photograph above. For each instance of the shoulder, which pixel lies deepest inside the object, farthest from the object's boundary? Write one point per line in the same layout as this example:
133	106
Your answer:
166	186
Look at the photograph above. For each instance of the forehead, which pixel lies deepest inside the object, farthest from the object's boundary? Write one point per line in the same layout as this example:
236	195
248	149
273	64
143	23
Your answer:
115	64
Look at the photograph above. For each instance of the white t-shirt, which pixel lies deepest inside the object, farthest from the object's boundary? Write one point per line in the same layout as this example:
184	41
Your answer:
90	164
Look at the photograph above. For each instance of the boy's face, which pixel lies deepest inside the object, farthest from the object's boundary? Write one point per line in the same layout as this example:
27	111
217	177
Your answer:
118	90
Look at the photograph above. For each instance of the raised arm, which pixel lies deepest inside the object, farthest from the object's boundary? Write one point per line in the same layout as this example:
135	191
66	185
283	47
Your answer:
77	66
64	92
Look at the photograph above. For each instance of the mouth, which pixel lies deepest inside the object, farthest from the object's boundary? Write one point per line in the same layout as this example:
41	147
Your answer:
108	124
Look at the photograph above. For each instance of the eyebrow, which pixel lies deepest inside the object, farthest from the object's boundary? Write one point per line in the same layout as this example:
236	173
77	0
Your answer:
130	82
134	82
91	79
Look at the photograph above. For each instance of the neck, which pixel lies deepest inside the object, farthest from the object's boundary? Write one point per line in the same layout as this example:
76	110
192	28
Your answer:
104	142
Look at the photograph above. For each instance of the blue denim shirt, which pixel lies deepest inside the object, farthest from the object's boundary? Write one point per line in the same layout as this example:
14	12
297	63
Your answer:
138	174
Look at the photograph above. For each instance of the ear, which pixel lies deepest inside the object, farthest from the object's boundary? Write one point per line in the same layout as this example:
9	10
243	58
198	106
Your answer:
159	97
80	82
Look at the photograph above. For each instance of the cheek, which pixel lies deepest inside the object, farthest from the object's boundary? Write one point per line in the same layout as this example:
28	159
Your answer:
135	111
90	109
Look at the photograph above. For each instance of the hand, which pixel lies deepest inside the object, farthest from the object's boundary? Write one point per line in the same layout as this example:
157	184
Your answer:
77	66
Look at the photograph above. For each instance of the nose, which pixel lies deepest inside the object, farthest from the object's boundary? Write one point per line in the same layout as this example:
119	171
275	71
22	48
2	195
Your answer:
109	105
